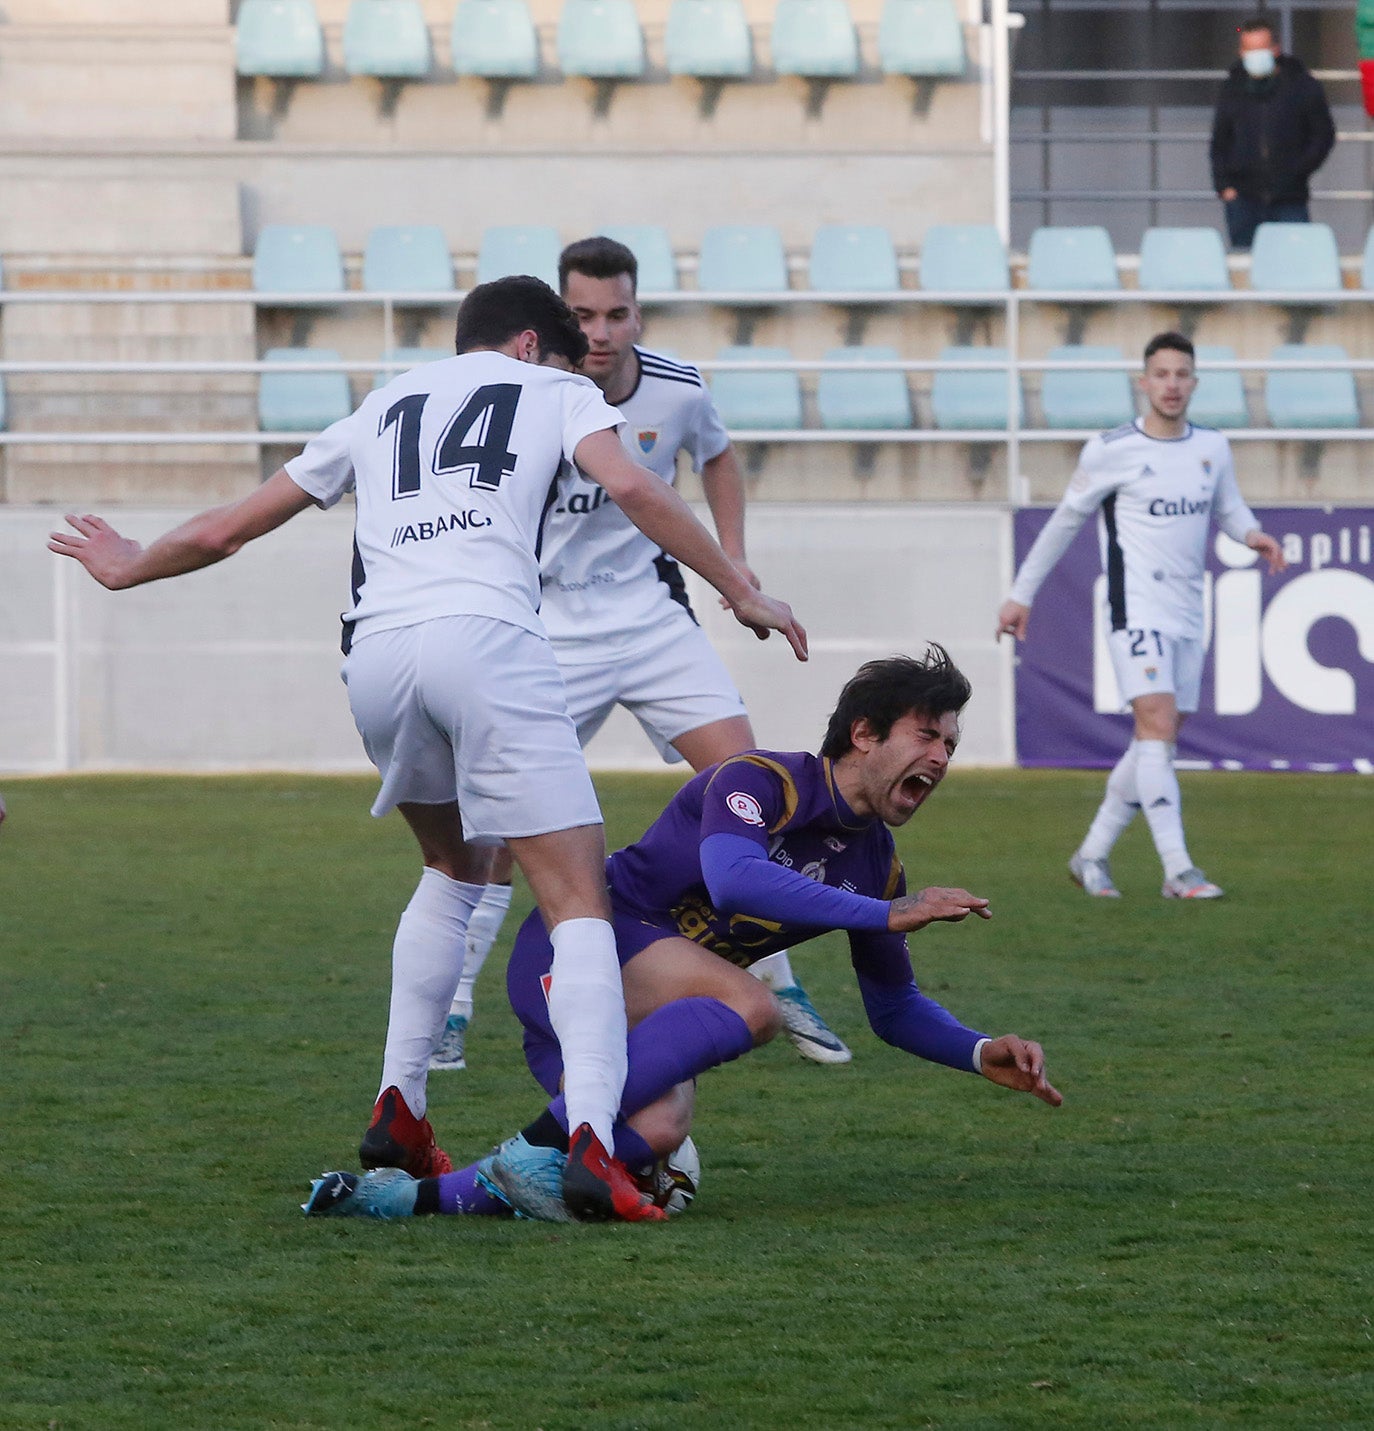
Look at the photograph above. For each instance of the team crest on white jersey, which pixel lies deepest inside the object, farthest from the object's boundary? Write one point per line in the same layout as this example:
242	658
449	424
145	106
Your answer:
745	806
647	437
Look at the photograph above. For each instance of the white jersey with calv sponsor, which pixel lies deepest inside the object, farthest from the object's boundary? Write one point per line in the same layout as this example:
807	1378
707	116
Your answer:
1156	498
602	577
455	465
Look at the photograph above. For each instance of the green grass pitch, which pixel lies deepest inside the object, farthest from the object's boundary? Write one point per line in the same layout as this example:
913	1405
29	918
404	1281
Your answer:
192	1004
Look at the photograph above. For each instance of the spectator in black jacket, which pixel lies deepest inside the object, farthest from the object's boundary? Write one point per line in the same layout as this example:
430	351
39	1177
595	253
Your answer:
1272	131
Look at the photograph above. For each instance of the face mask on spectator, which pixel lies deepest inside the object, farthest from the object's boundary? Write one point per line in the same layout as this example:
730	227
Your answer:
1259	64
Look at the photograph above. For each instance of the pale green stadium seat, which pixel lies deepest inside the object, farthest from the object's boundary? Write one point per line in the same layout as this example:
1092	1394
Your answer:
653	252
519	248
494	39
4	414
407	258
600	39
742	258
968	401
1219	400
279	38
1311	399
863	400
297	258
1100	400
922	39
1072	259
411	358
815	39
301	402
1301	257
386	38
771	400
709	39
1367	265
853	258
964	258
1191	259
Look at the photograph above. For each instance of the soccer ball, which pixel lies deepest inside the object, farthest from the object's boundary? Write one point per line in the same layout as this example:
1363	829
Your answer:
674	1180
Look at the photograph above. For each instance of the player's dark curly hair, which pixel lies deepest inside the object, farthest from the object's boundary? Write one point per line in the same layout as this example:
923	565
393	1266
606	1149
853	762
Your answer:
1172	342
882	692
493	313
598	257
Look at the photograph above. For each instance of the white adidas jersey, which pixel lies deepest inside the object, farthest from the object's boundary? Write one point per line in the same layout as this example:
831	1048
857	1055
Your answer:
1155	498
454	464
602	577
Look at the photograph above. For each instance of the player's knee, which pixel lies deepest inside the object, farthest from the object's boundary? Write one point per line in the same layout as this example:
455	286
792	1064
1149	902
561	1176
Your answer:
763	1015
664	1125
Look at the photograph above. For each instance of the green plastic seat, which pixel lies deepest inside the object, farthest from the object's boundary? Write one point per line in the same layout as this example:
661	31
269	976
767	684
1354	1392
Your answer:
388	39
922	39
1065	259
407	258
494	39
301	402
1219	400
1313	399
1295	257
964	258
1183	259
600	39
709	39
297	258
853	258
969	401
863	400
768	400
519	248
742	258
280	39
653	252
815	39
1086	399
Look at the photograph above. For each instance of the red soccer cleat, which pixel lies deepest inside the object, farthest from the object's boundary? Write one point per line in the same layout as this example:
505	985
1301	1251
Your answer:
396	1138
599	1188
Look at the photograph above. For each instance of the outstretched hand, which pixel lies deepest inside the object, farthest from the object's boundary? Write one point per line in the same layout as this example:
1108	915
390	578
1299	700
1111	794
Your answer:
915	911
99	548
762	614
1012	620
1018	1064
1270	549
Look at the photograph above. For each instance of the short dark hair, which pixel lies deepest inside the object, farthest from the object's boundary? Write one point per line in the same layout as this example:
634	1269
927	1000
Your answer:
1255	23
882	692
598	257
493	313
1174	342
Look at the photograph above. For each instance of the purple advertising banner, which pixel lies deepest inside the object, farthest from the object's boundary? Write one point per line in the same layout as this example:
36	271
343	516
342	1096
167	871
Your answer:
1289	679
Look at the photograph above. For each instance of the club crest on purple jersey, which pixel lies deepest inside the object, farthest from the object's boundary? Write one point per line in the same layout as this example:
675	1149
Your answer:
744	805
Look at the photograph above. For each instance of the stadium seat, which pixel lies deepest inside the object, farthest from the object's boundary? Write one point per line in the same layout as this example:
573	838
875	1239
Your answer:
4	415
1070	259
709	39
1367	265
411	358
742	258
386	38
1219	400
1183	260
853	258
757	400
1084	399
519	248
964	258
301	402
494	39
967	401
279	38
410	258
863	400
1311	399
815	39
600	39
297	258
921	38
1295	257
652	250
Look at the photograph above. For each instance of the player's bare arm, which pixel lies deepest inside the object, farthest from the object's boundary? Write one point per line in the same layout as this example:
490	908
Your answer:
1013	620
657	510
1019	1064
1270	549
118	562
927	906
722	482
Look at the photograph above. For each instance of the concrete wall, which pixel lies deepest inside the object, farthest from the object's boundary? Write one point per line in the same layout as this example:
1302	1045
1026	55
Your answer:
236	667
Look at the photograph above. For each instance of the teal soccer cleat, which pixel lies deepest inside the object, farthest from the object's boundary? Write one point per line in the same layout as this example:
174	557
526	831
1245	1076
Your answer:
450	1051
529	1178
383	1193
812	1037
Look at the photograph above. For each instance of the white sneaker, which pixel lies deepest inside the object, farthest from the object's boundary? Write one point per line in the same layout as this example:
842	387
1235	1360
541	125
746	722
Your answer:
1191	884
1093	877
448	1052
809	1032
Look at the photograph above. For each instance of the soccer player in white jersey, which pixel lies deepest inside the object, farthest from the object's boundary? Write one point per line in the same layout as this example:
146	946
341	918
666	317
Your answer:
615	606
451	680
1155	483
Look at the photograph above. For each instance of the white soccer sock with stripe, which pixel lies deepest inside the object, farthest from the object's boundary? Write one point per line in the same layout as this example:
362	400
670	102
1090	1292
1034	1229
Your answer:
775	970
1117	810
587	1011
483	929
1162	802
426	962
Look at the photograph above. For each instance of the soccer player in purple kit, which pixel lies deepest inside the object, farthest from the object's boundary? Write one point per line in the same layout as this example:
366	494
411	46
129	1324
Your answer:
763	851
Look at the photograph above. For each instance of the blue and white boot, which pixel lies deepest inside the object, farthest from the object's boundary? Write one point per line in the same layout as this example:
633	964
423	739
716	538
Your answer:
384	1193
529	1178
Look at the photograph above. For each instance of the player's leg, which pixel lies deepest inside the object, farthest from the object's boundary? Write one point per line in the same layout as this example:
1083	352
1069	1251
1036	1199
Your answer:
1120	805
483	930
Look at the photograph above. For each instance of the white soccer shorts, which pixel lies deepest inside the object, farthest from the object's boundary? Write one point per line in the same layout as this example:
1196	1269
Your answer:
672	682
471	709
1149	663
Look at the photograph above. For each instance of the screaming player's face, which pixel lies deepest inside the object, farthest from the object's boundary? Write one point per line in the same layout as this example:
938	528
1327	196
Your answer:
1168	383
611	322
898	774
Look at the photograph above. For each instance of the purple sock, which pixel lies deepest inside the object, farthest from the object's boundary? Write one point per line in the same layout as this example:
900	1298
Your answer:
460	1192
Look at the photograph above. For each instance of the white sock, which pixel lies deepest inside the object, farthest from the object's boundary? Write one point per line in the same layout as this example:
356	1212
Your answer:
483	928
1157	786
587	1010
1118	807
775	970
426	961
